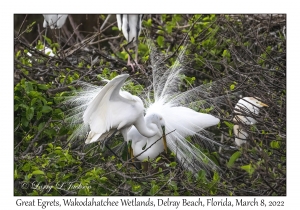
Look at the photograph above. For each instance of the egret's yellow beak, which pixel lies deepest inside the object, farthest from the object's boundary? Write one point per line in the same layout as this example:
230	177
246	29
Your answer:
131	153
262	104
164	139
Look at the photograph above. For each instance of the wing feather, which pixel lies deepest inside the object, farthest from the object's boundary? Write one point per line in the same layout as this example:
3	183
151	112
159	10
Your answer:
100	112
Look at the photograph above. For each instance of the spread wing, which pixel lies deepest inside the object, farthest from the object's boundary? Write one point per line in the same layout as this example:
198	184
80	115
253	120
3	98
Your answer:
111	109
183	122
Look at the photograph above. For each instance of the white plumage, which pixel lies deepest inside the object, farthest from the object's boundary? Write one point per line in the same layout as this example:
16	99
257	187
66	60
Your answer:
167	109
245	107
241	135
181	120
55	21
139	141
114	109
131	26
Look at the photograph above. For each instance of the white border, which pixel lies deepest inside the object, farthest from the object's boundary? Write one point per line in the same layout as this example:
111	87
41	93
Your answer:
153	6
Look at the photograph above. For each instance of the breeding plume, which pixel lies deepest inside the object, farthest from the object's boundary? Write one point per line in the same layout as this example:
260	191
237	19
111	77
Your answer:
181	120
165	118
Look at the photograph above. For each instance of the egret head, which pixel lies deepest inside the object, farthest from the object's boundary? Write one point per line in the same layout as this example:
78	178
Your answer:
156	119
247	106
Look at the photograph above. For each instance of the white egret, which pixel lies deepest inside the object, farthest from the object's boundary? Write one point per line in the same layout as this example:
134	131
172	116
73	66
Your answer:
246	107
241	135
139	141
131	26
54	21
113	109
108	109
183	121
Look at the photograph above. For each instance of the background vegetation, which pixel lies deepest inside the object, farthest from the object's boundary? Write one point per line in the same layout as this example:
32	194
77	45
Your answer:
234	55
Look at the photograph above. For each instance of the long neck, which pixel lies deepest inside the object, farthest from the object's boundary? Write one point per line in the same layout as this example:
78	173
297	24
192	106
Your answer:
147	129
152	152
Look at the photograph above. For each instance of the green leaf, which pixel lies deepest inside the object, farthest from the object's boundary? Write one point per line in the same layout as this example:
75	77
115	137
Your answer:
46	109
115	28
28	87
233	158
29	113
229	124
24	106
275	144
42	86
24	121
169	28
121	55
41	126
26	167
33	101
154	189
103	179
147	23
226	54
36	172
232	87
216	177
30	27
16	174
50	145
136	188
173	164
249	168
47	40
38	115
160	41
18	53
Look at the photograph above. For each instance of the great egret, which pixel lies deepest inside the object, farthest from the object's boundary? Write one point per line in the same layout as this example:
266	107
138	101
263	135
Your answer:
241	135
246	106
139	141
190	122
131	26
113	109
54	21
104	110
